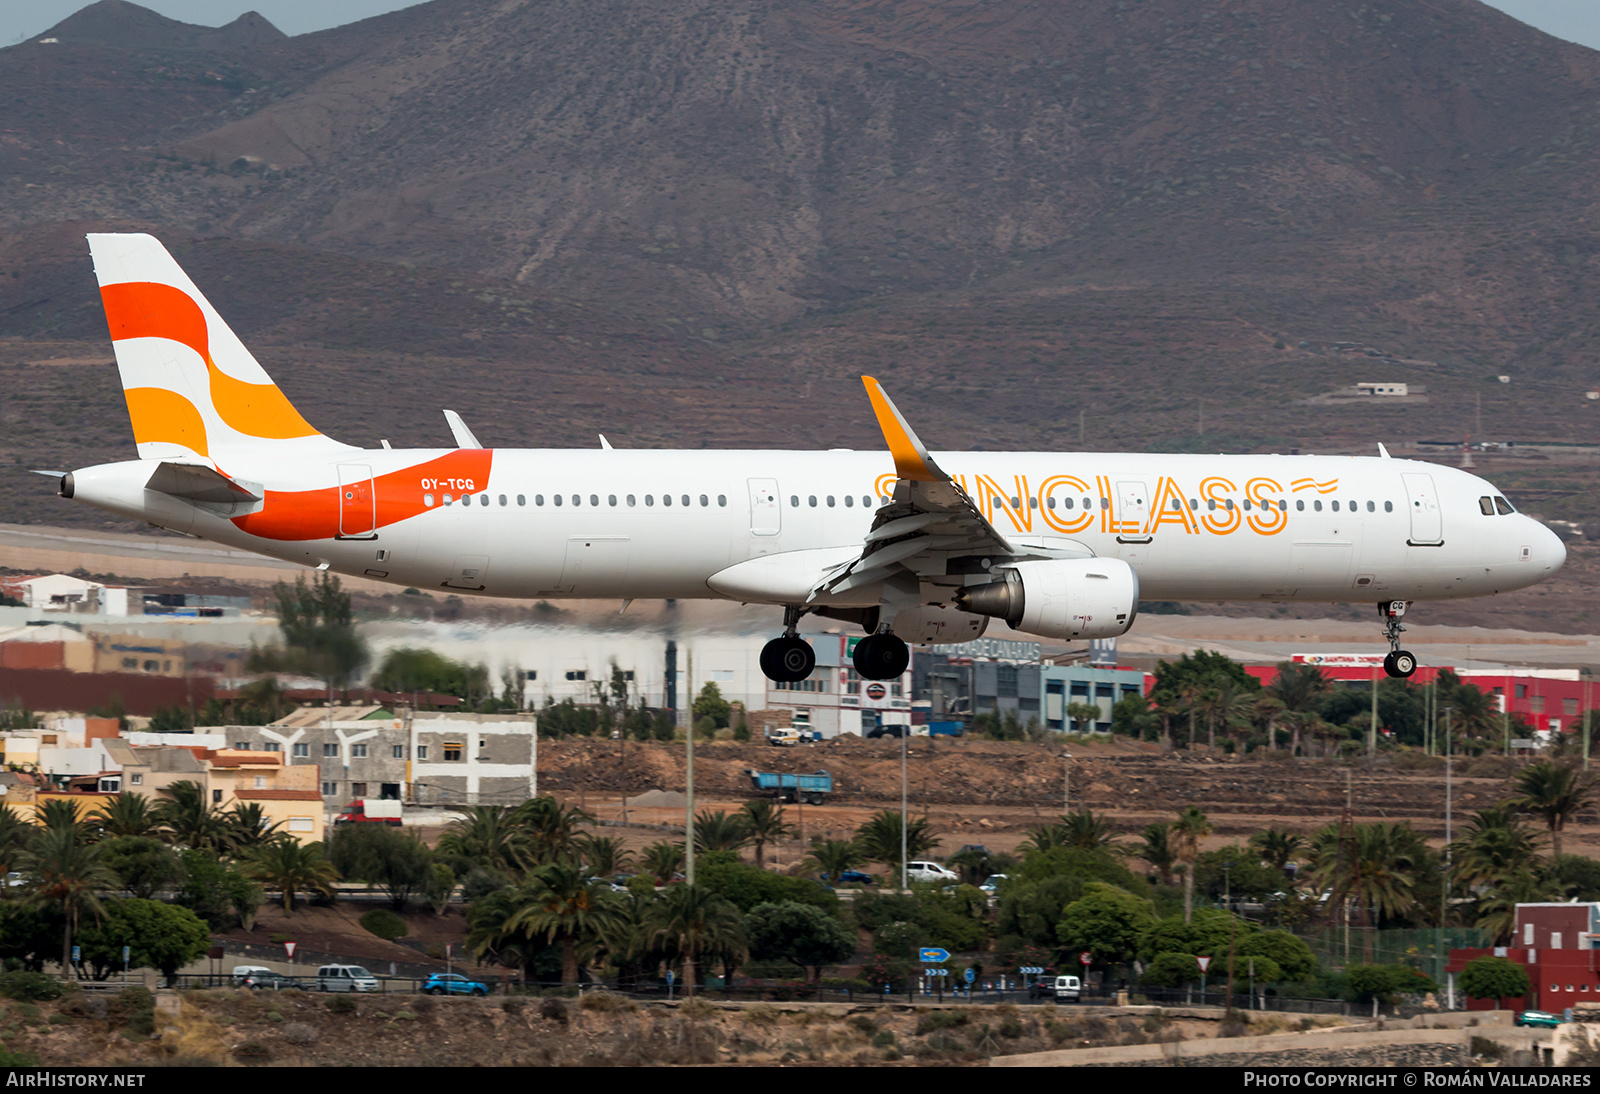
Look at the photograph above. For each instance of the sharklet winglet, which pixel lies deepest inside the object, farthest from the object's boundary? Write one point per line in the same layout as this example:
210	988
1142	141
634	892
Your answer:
458	428
911	459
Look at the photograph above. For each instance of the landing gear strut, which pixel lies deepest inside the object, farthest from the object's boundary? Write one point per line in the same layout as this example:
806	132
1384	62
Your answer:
1399	663
788	659
881	656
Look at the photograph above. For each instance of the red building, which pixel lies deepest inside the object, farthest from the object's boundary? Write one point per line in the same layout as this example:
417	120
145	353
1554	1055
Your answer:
1551	700
1557	944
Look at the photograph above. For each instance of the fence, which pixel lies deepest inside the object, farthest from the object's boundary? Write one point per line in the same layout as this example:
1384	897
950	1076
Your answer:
1424	948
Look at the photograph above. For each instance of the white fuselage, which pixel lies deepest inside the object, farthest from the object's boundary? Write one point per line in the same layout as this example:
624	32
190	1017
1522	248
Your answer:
1316	527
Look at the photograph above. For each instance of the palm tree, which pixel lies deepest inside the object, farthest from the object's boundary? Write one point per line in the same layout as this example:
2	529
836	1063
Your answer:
289	866
1497	912
60	813
558	902
127	814
604	856
1554	792
1157	850
1277	847
67	874
1496	845
661	860
1298	690
694	920
190	820
832	857
16	835
1368	865
720	832
1184	837
763	821
879	838
550	830
249	826
488	836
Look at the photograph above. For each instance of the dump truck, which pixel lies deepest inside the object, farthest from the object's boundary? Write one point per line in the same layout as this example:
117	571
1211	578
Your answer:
810	789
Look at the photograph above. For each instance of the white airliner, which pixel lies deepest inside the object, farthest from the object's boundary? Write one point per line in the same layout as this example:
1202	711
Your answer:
913	546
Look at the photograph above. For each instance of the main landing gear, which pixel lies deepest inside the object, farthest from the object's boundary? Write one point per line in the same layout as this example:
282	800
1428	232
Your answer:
788	659
1399	663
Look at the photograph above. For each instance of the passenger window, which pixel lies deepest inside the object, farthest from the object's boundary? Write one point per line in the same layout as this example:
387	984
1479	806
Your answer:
686	499
556	498
1503	506
447	499
813	499
1317	505
1486	506
1105	503
466	499
502	499
632	501
522	500
483	499
427	500
1229	504
866	502
1211	505
1371	508
1176	505
1016	503
1336	505
649	499
1066	503
704	501
830	501
849	501
1033	503
1299	506
1050	503
666	499
794	501
1283	506
1246	505
594	499
722	500
1388	507
538	499
611	499
577	499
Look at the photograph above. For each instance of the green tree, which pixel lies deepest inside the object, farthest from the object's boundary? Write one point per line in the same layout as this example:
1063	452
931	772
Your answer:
662	859
1495	845
558	902
1554	792
127	814
144	865
604	856
831	858
490	836
1295	697
158	936
1368	868
1171	970
801	934
1157	850
1083	716
710	704
1277	847
1384	982
1494	978
408	671
190	820
720	831
387	858
15	836
319	632
745	886
1105	922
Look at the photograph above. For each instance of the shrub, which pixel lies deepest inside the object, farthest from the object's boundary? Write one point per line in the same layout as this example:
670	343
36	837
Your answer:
385	924
553	1010
1494	978
342	1004
941	1019
883	1039
254	1051
299	1033
22	984
605	1002
135	1008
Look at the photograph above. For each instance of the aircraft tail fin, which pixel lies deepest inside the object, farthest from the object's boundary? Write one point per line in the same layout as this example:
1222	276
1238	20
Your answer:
192	387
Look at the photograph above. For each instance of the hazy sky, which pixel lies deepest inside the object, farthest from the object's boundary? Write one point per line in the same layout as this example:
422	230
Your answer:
1575	20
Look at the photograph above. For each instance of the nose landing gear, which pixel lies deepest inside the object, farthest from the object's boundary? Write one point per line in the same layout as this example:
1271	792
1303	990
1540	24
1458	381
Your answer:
788	659
1399	663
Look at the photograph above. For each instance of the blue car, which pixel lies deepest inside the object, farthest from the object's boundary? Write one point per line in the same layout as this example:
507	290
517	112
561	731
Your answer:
452	983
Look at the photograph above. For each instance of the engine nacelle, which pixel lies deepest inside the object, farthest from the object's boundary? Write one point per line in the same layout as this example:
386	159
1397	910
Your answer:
930	623
1060	598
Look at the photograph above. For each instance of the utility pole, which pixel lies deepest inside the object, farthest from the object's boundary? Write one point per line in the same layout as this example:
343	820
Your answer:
688	823
903	735
1372	736
1066	782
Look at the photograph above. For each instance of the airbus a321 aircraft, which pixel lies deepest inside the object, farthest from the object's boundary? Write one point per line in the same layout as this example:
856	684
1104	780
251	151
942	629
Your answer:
913	547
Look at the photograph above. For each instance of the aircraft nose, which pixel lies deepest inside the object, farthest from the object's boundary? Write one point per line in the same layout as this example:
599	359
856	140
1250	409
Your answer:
1548	549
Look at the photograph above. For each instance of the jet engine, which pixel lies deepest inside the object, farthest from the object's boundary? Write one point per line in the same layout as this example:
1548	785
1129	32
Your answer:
1060	598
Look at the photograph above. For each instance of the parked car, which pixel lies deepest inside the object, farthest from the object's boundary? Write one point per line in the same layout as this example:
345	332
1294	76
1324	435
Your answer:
782	737
346	978
1540	1018
929	871
991	884
267	980
453	983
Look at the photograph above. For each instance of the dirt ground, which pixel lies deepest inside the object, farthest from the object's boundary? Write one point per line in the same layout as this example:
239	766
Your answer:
297	1029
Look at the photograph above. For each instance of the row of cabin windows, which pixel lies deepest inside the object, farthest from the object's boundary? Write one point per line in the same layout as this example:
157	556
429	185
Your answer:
1212	506
577	500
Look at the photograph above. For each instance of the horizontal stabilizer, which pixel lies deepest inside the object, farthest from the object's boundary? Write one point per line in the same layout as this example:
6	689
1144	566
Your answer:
196	482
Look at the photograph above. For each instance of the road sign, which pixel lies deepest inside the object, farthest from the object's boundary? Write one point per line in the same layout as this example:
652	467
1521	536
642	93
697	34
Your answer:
1205	963
969	976
935	972
671	977
933	955
288	948
1086	958
1031	970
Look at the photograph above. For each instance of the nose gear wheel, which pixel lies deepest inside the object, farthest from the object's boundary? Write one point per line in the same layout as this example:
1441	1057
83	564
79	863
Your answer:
1399	663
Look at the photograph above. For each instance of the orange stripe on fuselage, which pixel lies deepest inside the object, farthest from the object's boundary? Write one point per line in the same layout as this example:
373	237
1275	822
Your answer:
314	514
149	309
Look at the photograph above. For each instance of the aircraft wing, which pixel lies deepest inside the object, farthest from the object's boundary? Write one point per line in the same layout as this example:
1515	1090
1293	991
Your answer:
929	522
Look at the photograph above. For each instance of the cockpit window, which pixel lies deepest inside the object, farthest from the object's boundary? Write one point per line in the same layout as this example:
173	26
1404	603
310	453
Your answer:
1486	506
1502	506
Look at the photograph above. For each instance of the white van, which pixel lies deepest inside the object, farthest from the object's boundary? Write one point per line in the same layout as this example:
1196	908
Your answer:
345	978
1068	989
